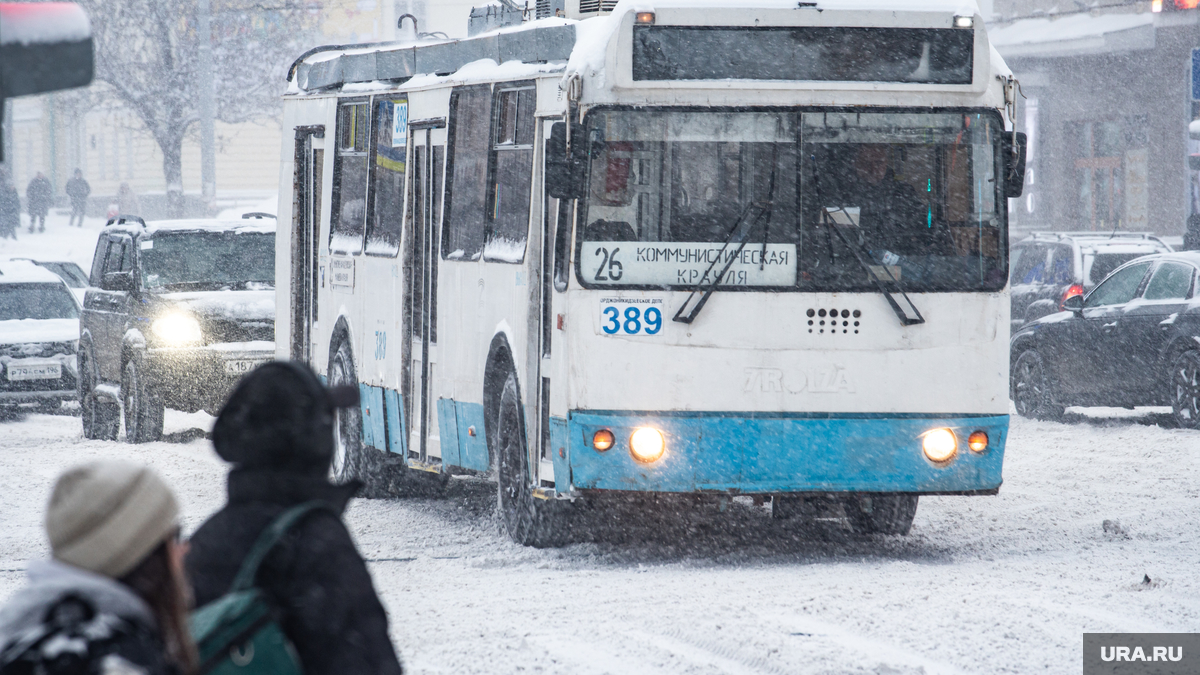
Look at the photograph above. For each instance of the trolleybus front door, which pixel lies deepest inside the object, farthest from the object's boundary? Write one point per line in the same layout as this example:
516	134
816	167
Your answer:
425	204
306	230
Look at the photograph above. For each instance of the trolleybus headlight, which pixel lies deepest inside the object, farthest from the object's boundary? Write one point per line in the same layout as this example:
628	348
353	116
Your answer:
647	444
645	18
939	445
603	440
964	21
977	441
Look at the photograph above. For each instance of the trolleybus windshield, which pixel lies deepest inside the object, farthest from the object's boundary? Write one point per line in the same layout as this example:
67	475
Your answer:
915	191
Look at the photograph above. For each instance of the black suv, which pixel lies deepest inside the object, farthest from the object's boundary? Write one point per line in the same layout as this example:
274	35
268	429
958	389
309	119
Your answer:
177	312
1049	267
1133	340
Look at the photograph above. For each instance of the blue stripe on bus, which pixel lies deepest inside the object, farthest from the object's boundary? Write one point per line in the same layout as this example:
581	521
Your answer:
473	452
559	442
374	434
397	436
448	429
757	453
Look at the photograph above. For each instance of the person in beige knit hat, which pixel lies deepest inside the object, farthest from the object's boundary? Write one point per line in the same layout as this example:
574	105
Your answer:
115	585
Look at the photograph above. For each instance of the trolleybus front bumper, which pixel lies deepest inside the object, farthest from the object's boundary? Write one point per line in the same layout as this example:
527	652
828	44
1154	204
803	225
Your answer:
756	453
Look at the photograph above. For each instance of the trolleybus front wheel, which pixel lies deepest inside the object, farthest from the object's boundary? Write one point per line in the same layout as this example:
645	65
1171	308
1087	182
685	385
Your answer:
530	520
881	514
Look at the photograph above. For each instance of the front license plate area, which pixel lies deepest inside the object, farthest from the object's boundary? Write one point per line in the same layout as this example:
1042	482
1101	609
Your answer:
637	316
40	371
242	366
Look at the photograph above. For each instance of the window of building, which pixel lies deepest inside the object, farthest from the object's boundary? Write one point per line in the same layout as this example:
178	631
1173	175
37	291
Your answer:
391	146
467	189
509	190
348	215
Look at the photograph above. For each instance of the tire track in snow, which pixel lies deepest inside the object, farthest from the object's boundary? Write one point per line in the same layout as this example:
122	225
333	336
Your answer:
880	652
711	652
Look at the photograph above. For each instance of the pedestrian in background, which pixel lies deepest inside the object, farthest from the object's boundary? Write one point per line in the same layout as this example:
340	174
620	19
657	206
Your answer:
127	201
112	598
10	206
38	197
277	431
78	190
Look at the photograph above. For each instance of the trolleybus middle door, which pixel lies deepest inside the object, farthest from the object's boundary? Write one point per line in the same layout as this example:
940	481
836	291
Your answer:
424	439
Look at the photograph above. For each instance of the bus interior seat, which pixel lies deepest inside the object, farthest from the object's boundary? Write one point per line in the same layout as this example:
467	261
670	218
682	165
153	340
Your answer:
609	230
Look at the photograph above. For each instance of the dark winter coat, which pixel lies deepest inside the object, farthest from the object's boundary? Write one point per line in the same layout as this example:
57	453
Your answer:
315	575
10	208
39	195
78	190
121	626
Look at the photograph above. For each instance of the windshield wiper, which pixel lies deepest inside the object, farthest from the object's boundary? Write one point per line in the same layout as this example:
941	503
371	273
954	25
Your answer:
737	234
906	319
707	284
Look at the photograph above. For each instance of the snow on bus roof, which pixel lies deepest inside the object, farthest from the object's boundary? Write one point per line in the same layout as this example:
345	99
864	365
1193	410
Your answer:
25	272
265	225
962	7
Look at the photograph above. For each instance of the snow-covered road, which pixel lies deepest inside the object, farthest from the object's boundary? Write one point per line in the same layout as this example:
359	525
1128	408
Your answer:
1002	584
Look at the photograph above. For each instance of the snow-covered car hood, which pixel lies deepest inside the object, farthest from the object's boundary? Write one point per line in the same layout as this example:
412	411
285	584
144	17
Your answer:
21	331
236	305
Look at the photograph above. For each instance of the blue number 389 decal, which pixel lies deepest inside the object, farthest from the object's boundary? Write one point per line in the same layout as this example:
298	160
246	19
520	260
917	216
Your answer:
631	320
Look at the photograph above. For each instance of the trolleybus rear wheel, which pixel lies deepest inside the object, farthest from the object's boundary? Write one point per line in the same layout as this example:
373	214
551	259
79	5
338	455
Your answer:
351	459
530	520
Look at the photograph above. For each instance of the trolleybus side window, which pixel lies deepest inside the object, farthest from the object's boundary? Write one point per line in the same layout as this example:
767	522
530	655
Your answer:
387	194
349	213
467	190
512	173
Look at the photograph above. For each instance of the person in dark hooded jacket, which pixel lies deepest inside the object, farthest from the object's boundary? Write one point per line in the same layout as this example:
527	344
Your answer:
277	431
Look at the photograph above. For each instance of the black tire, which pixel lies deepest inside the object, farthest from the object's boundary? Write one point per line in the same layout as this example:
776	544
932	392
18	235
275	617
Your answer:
352	461
1032	394
143	407
1184	388
530	520
881	514
101	418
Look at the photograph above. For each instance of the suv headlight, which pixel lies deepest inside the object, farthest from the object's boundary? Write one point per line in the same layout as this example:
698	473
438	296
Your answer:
177	328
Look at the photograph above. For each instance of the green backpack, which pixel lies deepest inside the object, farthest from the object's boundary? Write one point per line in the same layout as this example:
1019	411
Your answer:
239	632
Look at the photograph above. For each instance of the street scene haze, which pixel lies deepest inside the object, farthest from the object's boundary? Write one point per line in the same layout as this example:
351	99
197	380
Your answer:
599	336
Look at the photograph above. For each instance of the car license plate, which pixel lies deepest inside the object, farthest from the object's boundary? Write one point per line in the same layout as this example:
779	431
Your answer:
40	371
242	366
639	316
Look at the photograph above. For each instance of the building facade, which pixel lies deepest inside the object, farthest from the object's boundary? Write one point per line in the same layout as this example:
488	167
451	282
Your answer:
1107	102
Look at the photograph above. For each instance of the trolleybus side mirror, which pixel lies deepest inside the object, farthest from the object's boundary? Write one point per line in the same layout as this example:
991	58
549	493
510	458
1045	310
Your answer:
565	166
1013	148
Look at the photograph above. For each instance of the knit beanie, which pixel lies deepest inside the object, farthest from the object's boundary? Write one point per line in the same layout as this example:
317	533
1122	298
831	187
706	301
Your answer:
107	516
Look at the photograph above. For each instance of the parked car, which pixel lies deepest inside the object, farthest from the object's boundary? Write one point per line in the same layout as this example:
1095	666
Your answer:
71	274
1049	267
39	337
1133	340
176	313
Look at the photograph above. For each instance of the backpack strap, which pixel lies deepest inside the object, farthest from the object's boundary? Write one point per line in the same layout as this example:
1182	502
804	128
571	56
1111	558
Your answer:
267	540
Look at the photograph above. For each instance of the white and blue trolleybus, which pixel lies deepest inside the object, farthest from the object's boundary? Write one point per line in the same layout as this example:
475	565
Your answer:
698	247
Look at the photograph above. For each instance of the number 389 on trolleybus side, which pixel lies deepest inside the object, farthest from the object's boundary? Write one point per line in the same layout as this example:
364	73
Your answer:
688	250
